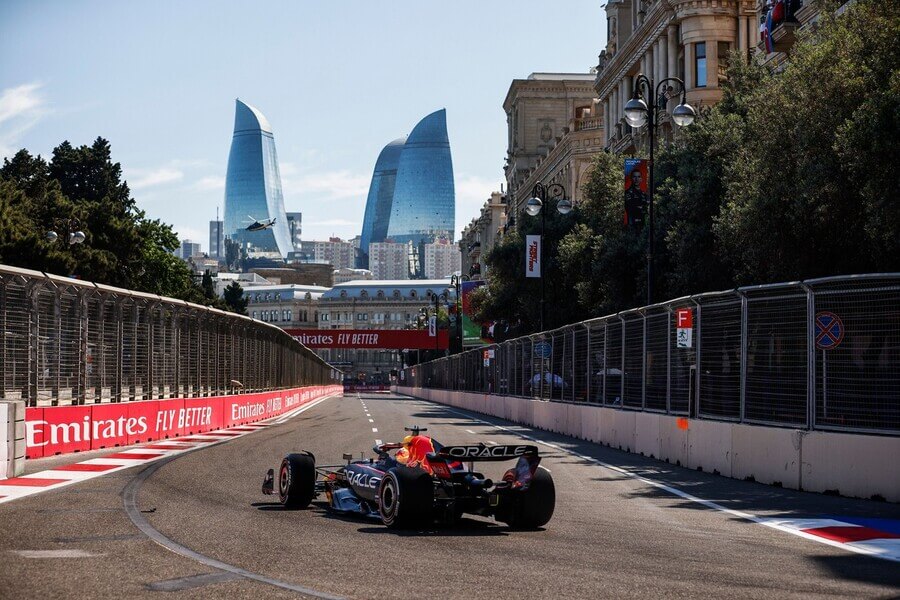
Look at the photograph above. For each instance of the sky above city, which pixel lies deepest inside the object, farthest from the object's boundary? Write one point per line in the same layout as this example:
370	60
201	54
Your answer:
336	80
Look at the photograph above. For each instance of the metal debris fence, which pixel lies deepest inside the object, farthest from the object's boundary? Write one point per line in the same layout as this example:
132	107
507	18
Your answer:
65	341
816	354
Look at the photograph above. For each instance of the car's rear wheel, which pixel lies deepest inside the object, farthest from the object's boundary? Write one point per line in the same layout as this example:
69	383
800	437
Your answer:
406	498
297	480
533	507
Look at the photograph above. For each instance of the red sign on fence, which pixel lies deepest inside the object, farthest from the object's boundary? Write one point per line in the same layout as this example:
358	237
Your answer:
364	339
684	318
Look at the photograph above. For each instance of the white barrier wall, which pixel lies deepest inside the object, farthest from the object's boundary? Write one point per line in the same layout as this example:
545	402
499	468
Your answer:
855	465
12	438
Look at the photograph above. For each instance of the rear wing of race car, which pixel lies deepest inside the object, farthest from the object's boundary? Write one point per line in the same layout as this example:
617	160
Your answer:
483	452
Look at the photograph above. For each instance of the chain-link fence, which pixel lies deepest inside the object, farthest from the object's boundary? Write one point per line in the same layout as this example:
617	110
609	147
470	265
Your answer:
65	341
818	354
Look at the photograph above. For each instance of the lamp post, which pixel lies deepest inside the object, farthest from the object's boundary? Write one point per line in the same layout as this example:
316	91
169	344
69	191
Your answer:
456	282
72	234
637	113
539	194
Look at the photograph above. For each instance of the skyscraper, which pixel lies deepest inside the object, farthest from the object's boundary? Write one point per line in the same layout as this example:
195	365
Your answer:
253	186
380	198
424	198
295	226
217	239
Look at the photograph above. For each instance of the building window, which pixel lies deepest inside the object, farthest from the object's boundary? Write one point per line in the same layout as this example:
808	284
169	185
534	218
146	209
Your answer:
254	314
700	64
723	54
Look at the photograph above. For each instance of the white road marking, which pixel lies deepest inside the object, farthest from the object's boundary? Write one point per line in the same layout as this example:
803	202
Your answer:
302	409
773	523
470	431
371	420
73	553
378	442
374	430
492	443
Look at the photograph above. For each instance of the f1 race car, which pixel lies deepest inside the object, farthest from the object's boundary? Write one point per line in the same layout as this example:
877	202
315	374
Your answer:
423	483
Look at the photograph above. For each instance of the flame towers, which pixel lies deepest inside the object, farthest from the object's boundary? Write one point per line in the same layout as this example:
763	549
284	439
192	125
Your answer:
253	186
412	197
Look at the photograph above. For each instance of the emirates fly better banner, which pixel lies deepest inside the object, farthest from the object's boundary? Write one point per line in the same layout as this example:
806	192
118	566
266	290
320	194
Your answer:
532	256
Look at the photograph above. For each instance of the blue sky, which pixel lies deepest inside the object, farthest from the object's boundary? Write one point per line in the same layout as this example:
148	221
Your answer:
337	81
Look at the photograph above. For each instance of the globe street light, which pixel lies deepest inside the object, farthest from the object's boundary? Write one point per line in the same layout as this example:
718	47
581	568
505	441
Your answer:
638	113
72	234
533	207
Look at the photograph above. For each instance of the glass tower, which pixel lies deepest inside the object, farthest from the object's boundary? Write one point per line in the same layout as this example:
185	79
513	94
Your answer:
380	199
253	186
424	198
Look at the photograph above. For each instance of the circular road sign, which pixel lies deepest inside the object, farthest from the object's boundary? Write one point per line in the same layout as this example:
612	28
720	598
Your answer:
543	349
829	330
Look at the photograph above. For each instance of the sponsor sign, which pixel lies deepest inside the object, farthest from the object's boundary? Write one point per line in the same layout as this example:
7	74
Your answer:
475	333
432	326
363	339
636	197
532	256
62	429
684	328
482	452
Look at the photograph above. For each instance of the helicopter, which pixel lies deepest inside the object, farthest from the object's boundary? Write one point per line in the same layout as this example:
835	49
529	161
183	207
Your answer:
258	225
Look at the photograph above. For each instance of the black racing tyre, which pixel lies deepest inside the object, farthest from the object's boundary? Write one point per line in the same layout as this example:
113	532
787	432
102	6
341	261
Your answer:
533	507
406	498
297	480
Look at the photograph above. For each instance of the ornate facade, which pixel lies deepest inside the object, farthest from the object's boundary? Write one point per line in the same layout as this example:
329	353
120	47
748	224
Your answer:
688	39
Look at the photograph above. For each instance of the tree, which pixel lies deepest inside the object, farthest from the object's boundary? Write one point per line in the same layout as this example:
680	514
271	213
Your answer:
812	190
208	287
234	298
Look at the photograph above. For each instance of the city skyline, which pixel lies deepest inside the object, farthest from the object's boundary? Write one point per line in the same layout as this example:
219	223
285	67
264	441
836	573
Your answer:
334	107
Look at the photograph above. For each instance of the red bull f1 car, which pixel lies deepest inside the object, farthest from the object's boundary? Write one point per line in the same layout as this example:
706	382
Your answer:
421	484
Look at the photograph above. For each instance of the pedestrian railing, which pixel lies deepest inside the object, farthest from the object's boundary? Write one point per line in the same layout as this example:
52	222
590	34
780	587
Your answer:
66	341
817	354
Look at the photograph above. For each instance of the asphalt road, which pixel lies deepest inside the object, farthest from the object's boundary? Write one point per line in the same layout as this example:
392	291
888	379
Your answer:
611	536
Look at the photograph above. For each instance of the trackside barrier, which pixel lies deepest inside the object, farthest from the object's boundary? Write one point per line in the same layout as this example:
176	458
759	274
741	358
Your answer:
856	465
60	429
12	439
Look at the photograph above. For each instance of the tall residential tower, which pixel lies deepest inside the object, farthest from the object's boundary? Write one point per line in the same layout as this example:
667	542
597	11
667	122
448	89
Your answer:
253	186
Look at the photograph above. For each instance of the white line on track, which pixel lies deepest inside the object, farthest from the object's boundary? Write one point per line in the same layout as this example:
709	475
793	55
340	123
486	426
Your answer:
470	431
302	409
374	430
371	420
378	442
772	523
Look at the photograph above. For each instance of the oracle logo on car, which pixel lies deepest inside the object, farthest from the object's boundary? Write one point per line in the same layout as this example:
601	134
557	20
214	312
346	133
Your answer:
487	451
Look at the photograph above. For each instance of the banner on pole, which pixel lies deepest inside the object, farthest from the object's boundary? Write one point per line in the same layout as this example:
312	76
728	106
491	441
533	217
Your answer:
532	256
636	197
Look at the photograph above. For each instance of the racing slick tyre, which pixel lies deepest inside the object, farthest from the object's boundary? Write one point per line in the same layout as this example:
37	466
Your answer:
533	507
406	498
297	480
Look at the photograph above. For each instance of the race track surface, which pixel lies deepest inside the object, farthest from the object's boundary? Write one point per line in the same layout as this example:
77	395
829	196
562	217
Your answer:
197	526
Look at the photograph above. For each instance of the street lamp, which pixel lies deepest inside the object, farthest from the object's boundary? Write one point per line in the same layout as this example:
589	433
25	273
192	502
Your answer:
637	114
72	234
456	282
539	194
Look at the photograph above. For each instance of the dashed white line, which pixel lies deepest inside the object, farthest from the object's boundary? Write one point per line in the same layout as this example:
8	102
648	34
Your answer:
492	443
470	431
378	442
374	430
371	420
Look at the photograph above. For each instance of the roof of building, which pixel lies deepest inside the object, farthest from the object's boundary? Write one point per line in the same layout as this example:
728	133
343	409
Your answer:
563	76
371	288
248	117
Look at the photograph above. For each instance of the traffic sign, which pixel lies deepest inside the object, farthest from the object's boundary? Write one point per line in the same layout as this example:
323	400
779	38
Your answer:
829	330
684	328
543	349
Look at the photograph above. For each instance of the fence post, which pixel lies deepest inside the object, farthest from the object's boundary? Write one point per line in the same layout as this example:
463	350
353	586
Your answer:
622	366
644	361
33	342
810	357
3	342
587	364
745	305
695	401
605	354
669	360
83	348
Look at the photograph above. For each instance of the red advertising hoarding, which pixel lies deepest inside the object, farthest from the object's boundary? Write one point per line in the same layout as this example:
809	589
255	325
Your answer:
365	339
63	429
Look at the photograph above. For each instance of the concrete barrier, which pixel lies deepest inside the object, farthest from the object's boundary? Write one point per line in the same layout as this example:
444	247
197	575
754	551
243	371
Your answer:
856	465
12	438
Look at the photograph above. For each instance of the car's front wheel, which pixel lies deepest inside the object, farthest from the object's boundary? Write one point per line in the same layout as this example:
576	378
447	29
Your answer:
406	498
297	480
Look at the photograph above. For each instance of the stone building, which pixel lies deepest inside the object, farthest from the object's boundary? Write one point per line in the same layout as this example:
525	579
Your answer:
287	306
376	305
688	39
389	260
541	111
481	234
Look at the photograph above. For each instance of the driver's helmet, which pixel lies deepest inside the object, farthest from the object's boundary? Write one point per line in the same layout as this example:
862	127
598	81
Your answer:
402	455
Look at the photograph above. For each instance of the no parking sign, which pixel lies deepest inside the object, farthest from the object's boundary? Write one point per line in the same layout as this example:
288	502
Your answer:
829	330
